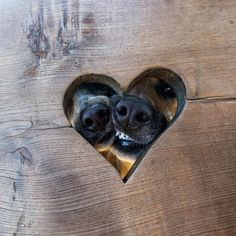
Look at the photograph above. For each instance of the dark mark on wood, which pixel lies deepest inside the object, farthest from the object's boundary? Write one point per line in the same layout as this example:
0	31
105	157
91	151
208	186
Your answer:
20	222
65	18
212	99
89	19
14	186
31	72
54	128
38	42
66	41
14	190
88	26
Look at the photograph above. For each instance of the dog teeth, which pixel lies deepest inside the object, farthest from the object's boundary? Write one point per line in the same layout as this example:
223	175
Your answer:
123	136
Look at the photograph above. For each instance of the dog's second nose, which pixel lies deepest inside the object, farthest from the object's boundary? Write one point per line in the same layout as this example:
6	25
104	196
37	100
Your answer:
132	113
95	118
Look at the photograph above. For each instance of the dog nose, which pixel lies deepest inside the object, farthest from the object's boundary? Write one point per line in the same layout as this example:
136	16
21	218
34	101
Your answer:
95	118
132	113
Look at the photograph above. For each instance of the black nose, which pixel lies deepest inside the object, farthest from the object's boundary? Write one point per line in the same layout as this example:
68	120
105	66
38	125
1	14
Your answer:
95	118
132	113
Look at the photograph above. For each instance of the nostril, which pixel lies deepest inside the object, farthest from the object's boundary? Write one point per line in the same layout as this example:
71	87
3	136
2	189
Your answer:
88	122
142	117
122	110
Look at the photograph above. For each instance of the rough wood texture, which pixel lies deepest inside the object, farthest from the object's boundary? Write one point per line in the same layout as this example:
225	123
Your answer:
53	182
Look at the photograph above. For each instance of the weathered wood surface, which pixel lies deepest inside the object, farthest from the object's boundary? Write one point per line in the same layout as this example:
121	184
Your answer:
53	182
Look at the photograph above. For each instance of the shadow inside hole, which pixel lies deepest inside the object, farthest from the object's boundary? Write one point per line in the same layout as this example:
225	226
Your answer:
123	126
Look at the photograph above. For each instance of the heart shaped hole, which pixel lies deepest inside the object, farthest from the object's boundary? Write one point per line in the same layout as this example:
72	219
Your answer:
122	126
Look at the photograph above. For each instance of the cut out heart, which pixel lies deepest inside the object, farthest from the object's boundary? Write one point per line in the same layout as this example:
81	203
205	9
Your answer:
122	126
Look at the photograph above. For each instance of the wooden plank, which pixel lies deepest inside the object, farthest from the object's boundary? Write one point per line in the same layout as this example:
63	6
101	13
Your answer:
53	182
98	39
184	186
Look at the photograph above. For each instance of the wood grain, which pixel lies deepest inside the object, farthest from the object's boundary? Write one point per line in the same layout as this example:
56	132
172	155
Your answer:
53	182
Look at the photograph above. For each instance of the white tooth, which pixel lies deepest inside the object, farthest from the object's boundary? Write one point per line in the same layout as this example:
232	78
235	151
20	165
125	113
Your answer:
123	136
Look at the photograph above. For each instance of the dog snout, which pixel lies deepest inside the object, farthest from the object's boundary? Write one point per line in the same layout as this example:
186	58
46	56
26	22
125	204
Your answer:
132	113
95	118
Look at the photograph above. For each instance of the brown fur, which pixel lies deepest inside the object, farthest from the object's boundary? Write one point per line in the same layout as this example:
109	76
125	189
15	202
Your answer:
144	88
122	163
